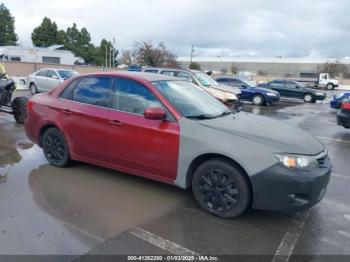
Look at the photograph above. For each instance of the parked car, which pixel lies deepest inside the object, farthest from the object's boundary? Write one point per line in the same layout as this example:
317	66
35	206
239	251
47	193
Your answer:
294	89
47	79
170	130
228	95
256	95
343	115
338	99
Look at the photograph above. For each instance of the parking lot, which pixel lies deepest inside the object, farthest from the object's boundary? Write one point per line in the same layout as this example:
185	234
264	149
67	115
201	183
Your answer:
87	209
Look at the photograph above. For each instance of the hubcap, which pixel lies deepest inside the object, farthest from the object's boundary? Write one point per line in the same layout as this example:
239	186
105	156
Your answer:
54	148
219	191
257	100
329	87
32	89
308	98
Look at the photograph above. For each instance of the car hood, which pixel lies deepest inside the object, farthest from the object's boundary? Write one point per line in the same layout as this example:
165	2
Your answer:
227	88
279	136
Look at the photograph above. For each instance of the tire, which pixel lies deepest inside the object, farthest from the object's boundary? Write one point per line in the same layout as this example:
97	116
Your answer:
329	86
19	108
258	100
33	89
221	189
308	98
55	147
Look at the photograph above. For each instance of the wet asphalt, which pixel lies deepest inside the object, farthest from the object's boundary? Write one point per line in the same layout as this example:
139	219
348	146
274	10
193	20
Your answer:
84	209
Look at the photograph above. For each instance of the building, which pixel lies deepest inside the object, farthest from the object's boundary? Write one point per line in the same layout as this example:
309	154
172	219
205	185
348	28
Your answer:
49	55
273	66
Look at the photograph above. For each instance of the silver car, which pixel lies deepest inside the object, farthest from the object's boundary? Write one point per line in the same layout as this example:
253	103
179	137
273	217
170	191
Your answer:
46	79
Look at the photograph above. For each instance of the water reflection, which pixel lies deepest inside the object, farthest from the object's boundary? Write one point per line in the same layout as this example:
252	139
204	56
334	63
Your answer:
100	201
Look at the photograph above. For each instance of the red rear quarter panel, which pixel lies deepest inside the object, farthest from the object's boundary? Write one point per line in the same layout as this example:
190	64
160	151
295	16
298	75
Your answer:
44	111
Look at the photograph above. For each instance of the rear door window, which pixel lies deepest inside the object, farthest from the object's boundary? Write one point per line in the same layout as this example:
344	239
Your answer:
94	91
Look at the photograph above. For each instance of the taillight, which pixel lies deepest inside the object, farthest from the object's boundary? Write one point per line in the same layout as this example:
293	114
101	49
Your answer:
30	105
345	105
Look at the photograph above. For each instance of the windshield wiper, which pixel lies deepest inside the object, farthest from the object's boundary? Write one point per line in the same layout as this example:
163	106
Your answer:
225	113
200	117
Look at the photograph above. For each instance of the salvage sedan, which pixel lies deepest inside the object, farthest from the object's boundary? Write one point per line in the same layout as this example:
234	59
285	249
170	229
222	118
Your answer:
170	130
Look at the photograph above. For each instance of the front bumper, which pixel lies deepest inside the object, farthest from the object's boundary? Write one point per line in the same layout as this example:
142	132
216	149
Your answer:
280	188
318	97
343	118
271	99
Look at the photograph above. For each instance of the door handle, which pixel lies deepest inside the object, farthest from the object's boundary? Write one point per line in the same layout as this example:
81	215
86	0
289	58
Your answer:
115	123
67	111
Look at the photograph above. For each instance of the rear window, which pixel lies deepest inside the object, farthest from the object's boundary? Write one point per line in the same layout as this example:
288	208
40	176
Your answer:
93	91
41	73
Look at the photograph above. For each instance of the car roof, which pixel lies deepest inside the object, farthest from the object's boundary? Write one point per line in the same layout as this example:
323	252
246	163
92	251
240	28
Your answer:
136	75
166	69
49	68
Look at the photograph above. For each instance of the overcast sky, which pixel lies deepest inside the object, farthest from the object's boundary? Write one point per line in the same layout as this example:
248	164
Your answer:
263	28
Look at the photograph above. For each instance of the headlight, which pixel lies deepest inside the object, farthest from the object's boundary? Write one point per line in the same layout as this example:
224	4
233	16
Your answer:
320	94
271	94
296	161
230	96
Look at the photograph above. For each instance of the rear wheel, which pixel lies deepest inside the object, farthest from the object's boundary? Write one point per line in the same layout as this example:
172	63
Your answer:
33	89
258	100
19	108
329	86
308	98
221	189
55	148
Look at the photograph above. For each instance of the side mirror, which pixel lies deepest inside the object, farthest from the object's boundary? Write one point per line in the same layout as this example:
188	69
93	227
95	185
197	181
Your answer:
155	113
54	77
244	86
297	87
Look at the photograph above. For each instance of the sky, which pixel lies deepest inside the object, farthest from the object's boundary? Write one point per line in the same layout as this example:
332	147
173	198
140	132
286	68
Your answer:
247	28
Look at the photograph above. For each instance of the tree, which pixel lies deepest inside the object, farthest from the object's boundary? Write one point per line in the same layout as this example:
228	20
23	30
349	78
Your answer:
46	34
334	69
107	53
195	66
234	69
148	55
126	58
7	27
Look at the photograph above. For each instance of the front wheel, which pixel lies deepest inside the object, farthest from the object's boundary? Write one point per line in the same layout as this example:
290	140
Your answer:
19	108
33	89
258	100
221	189
308	98
55	148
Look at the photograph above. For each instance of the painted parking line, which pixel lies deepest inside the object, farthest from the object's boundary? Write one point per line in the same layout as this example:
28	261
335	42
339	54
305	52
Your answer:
341	176
287	245
333	139
162	243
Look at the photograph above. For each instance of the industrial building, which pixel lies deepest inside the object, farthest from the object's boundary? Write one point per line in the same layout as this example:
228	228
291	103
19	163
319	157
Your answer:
272	66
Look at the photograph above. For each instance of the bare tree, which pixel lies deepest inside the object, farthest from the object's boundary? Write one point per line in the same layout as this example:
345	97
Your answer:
148	55
234	69
126	58
334	69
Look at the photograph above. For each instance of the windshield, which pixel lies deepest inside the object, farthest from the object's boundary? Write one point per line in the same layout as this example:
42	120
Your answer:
204	79
247	84
65	74
190	100
299	84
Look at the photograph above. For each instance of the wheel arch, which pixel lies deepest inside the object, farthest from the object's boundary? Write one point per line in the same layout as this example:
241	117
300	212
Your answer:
43	130
205	157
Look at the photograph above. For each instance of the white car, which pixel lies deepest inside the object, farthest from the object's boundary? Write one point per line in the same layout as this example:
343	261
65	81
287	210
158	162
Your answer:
47	79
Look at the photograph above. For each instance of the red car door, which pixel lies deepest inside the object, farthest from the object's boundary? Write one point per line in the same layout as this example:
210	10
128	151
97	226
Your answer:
84	118
143	146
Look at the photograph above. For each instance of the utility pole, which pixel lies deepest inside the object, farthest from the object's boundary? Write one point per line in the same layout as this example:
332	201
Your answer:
106	56
113	52
192	53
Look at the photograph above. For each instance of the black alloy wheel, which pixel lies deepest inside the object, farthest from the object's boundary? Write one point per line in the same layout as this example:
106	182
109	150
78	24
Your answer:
55	148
